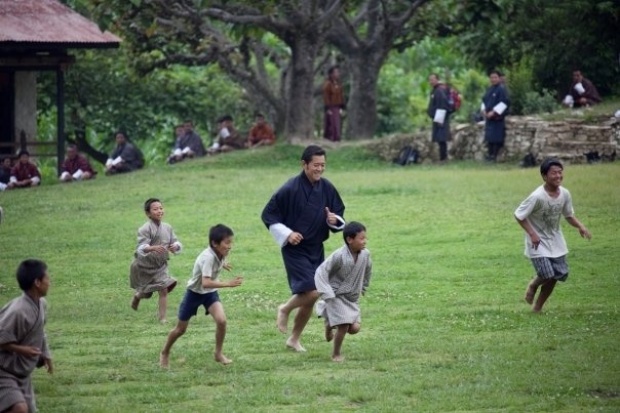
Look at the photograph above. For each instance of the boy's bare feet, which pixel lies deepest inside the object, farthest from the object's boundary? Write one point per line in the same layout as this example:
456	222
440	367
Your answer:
329	333
163	360
530	293
220	358
338	359
295	345
282	320
135	301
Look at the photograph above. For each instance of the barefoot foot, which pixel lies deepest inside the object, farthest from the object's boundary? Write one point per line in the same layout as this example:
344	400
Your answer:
329	333
135	301
530	293
338	359
220	358
282	320
295	345
163	360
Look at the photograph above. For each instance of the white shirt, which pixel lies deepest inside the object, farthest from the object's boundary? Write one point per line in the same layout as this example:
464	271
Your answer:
207	265
543	213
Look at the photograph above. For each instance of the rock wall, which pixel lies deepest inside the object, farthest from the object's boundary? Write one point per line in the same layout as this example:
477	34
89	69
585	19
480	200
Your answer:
568	140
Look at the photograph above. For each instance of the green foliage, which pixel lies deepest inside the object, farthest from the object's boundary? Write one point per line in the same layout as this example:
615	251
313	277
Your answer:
444	326
520	82
540	102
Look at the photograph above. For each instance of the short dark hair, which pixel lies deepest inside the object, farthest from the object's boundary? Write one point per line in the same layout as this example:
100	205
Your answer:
120	132
225	118
72	146
548	163
332	69
351	229
23	152
497	72
149	202
435	74
218	232
28	272
310	151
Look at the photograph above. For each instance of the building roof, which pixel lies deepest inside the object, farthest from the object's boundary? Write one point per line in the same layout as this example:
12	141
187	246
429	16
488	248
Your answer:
37	24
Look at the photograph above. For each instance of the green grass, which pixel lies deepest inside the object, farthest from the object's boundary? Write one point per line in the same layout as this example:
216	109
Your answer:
444	325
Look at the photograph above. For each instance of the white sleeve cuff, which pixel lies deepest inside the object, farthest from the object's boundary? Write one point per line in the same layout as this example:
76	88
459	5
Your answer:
280	233
13	179
117	161
108	162
140	250
500	108
64	175
177	152
178	244
337	226
78	174
35	180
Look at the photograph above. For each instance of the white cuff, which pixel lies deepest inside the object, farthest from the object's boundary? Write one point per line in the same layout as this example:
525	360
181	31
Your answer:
482	107
280	233
224	133
3	186
78	174
117	161
177	152
109	162
178	244
186	150
500	108
338	227
579	88
140	250
64	175
35	180
13	180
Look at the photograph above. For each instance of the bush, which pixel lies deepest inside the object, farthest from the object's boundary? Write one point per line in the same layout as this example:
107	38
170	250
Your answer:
535	102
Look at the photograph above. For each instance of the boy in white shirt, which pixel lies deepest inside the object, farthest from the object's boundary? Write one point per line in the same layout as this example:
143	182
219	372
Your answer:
202	291
539	215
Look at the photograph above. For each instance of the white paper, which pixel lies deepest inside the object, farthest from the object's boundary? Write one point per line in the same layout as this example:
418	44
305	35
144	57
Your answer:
224	133
117	161
78	174
500	108
579	88
440	116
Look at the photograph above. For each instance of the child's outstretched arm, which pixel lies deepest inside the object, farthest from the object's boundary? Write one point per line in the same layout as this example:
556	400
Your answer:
207	282
525	224
583	231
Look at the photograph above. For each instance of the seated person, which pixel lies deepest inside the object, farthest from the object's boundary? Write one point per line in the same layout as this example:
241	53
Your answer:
5	172
188	143
228	138
76	166
582	92
124	158
24	174
261	133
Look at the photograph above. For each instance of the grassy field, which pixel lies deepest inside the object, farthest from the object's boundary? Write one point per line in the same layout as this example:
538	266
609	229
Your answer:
445	328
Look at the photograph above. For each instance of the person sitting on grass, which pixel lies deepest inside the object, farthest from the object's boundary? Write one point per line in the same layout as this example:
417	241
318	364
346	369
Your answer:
539	215
24	174
202	290
124	158
149	269
261	133
5	172
228	138
188	143
76	166
340	280
23	342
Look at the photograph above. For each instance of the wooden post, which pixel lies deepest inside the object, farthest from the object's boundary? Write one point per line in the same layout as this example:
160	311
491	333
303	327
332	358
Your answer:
60	118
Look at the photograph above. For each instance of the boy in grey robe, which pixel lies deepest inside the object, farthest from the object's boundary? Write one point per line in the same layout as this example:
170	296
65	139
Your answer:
340	280
23	345
149	270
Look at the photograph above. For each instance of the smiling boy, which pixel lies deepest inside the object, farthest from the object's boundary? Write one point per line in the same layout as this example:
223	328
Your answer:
539	215
202	291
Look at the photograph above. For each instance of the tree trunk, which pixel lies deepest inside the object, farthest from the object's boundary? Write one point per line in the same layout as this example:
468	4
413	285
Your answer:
361	121
300	108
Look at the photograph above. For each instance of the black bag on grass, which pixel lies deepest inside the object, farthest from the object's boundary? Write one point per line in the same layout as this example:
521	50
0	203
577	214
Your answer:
407	155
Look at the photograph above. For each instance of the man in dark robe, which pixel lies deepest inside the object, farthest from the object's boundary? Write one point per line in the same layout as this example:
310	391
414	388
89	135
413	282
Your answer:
333	101
124	158
188	143
300	216
439	111
228	138
582	92
495	104
23	344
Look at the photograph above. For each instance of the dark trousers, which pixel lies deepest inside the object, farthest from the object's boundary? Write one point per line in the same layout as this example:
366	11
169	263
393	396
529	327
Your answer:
494	149
443	150
332	123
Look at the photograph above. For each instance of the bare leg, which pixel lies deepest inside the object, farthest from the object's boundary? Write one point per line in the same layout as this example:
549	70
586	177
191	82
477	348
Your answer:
20	407
329	333
545	292
532	287
163	305
173	336
217	312
341	331
304	302
135	301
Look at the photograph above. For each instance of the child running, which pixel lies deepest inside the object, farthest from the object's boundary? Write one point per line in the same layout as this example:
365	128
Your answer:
539	215
340	280
202	291
149	270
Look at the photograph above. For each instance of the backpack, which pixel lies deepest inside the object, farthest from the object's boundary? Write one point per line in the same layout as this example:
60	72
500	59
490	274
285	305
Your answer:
454	99
407	155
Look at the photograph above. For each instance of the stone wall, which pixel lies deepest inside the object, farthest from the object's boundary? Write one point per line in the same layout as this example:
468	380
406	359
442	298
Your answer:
568	140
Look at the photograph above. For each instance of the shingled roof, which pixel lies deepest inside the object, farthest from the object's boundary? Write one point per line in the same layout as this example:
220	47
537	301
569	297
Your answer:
33	24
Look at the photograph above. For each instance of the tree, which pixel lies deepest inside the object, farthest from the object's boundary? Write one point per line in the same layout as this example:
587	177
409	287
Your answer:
365	37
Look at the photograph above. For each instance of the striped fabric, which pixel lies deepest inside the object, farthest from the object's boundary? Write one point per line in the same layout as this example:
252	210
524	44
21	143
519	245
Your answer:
551	268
